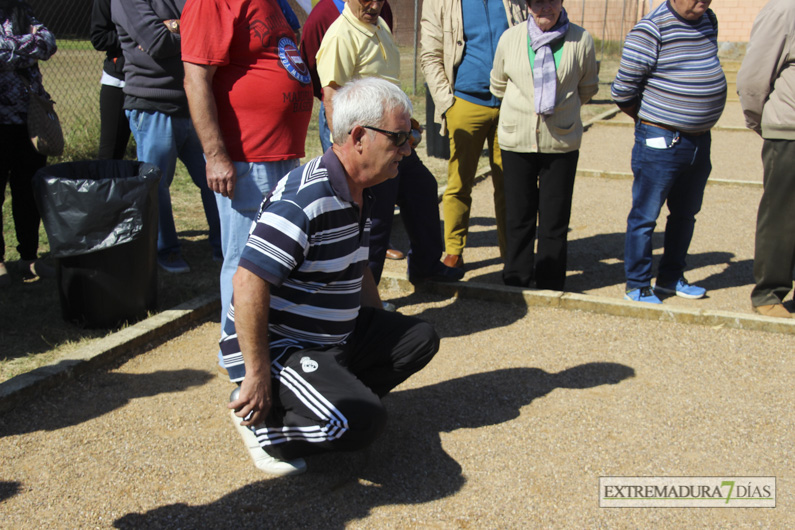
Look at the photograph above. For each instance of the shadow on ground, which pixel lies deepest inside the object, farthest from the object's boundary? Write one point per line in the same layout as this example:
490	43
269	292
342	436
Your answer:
31	320
8	489
408	465
94	395
457	319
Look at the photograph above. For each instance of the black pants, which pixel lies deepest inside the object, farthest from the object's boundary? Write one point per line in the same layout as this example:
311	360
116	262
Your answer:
537	185
328	399
774	252
416	192
114	132
18	163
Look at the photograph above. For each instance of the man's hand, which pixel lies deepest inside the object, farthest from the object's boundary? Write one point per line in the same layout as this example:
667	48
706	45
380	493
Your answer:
631	111
221	175
173	25
254	398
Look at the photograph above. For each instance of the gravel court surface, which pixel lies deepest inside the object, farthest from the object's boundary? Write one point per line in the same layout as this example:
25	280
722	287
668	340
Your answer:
510	426
721	252
720	257
736	154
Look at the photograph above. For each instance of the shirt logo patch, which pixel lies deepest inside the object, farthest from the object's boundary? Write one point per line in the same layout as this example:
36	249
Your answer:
291	60
308	365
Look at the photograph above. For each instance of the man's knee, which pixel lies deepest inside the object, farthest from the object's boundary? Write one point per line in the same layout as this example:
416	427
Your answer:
365	421
424	344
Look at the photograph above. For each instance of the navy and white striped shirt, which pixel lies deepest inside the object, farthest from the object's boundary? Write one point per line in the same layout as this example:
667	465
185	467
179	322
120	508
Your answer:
311	245
670	66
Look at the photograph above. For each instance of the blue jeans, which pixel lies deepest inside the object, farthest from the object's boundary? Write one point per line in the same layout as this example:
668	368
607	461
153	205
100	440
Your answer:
323	128
675	169
254	181
161	139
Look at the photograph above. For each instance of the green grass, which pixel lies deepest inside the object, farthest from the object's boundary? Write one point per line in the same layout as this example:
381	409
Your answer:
32	332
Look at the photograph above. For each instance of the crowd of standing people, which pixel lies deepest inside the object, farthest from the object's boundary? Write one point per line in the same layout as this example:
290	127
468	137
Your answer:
228	88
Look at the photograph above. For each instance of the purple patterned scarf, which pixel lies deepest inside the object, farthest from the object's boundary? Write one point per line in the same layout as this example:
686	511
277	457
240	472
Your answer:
545	78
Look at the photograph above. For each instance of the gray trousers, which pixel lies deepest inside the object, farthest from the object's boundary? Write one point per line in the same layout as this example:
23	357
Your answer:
774	253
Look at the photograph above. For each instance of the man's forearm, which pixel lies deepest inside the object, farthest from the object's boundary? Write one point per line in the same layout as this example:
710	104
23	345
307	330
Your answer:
252	305
221	177
203	111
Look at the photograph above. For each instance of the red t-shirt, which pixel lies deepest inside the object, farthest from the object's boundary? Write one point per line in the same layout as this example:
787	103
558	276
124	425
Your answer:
262	87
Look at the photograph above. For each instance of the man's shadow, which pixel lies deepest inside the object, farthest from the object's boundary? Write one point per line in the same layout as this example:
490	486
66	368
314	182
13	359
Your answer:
407	465
458	319
91	397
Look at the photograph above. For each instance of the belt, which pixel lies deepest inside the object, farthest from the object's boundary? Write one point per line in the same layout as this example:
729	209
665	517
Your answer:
669	128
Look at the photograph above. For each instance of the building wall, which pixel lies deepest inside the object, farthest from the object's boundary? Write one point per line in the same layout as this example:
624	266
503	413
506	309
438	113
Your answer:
611	20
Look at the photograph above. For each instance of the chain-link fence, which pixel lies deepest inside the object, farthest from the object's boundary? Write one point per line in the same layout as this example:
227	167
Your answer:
72	75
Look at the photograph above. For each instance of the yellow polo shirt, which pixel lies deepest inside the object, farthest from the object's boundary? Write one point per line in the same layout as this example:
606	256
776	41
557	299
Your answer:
354	49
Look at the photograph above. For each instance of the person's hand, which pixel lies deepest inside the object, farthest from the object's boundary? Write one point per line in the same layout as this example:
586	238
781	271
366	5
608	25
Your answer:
254	400
221	176
173	25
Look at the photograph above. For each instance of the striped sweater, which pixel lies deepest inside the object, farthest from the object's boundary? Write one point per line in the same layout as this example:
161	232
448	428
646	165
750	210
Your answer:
670	68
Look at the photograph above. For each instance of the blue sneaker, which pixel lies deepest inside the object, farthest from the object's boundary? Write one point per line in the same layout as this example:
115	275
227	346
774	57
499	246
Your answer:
173	263
682	288
642	294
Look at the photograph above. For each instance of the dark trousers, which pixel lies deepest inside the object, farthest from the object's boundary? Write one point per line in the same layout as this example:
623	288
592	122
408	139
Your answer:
774	252
416	192
114	130
538	186
329	398
18	163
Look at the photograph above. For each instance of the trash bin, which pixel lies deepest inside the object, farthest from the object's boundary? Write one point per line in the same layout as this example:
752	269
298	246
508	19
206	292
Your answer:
437	145
101	221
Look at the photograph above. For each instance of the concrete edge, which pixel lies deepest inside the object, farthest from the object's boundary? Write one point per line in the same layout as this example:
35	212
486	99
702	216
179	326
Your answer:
595	304
603	116
619	175
105	350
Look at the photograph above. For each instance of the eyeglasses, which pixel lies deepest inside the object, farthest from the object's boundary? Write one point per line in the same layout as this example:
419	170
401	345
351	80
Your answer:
398	138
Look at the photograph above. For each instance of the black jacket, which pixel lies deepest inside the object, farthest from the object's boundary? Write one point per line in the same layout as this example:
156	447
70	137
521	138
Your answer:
105	39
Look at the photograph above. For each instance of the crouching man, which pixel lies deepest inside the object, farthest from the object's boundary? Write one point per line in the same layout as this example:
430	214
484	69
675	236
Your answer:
308	342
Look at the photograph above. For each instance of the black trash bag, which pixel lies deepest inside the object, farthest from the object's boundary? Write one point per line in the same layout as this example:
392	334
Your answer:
93	205
101	220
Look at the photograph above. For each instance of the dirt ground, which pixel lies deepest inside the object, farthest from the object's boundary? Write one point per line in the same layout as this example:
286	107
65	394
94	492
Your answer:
510	426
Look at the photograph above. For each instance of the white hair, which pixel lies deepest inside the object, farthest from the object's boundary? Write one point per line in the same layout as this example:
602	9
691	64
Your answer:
365	102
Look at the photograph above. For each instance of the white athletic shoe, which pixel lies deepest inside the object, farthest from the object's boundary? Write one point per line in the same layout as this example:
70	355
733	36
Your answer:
262	460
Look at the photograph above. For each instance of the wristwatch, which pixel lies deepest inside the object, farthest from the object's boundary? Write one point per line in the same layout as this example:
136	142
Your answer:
174	26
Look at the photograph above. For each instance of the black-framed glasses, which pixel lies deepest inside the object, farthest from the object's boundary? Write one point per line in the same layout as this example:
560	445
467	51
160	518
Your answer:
399	138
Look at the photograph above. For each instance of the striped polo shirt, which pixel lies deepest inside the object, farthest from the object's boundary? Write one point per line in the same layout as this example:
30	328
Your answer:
671	66
311	245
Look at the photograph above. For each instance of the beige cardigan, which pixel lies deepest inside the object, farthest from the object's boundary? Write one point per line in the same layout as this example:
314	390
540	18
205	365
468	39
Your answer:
443	47
520	129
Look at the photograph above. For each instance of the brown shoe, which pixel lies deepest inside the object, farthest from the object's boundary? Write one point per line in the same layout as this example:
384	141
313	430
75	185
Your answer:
451	260
393	253
773	310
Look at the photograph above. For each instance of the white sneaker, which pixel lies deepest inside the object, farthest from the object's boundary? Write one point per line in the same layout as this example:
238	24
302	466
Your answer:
262	460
